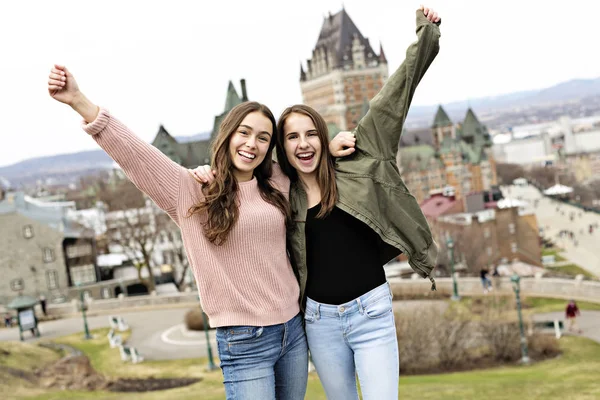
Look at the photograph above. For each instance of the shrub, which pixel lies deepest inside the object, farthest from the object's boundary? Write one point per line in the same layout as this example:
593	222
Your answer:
543	346
193	319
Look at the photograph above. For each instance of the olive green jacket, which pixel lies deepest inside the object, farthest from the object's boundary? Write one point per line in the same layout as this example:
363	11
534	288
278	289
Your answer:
369	184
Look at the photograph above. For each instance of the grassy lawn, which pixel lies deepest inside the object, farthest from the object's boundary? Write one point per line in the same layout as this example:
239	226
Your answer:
573	270
572	375
544	305
553	252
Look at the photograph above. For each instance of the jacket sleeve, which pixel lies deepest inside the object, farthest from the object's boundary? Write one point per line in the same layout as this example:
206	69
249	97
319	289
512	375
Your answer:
378	132
150	170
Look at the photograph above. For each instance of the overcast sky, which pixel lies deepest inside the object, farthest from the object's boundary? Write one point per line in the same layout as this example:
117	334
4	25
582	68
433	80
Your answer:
153	62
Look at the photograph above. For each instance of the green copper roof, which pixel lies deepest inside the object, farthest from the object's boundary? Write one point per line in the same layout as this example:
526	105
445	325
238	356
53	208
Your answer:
441	118
232	99
22	302
418	158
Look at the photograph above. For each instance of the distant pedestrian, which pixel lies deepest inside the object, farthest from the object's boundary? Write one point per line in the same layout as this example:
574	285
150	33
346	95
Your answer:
485	281
43	304
571	313
7	320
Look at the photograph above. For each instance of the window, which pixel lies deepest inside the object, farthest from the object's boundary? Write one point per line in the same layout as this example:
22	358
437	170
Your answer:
83	274
511	228
52	279
486	233
79	251
513	247
489	251
17	284
48	255
28	231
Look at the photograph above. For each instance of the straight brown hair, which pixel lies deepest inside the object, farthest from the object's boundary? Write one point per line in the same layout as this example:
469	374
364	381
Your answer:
220	196
326	167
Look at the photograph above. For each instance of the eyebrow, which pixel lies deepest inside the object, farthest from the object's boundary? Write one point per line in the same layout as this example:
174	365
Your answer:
249	127
310	130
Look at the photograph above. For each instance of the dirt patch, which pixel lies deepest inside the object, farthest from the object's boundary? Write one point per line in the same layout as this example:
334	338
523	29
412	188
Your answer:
76	373
71	373
17	373
147	385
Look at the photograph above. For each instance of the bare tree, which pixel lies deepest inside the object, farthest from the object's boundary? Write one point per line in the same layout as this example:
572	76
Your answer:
469	247
172	236
509	172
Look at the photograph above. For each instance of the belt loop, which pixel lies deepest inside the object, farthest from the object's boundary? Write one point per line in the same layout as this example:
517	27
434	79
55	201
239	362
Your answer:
360	306
318	316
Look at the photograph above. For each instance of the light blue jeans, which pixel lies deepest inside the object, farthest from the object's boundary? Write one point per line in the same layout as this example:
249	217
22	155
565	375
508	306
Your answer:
268	362
355	338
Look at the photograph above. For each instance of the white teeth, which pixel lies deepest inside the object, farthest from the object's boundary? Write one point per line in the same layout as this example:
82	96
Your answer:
305	155
246	154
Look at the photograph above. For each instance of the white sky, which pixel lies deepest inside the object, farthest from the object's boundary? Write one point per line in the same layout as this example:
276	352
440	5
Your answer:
152	62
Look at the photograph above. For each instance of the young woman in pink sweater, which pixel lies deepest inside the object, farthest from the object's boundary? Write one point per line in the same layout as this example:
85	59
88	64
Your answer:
234	231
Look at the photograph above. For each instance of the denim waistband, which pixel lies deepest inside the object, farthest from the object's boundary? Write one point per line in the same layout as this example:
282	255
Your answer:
356	305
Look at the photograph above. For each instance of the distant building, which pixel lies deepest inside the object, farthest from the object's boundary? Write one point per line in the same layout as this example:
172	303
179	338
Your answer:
576	141
447	156
344	73
492	236
195	153
42	252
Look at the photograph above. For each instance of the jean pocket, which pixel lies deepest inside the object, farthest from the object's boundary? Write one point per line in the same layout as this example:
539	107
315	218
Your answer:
379	308
242	334
310	317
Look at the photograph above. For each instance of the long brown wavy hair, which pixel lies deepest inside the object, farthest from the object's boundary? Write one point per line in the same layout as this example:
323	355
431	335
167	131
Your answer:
325	170
220	197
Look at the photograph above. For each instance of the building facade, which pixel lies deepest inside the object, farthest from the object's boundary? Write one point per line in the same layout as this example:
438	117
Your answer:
451	157
486	238
194	153
41	251
344	73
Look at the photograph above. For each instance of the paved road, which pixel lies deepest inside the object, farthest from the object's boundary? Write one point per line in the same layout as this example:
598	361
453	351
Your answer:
589	322
158	335
586	253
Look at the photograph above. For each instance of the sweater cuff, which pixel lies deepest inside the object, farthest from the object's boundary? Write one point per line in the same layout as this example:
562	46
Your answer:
98	124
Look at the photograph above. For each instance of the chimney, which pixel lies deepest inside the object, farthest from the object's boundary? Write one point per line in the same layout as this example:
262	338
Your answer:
244	94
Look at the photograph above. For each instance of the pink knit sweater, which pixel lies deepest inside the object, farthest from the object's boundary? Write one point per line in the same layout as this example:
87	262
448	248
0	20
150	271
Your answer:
246	281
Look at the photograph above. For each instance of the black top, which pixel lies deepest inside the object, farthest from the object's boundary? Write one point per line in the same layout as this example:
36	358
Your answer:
342	256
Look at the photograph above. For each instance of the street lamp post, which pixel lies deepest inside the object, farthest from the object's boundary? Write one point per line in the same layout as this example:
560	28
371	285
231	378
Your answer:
515	279
83	308
450	244
211	363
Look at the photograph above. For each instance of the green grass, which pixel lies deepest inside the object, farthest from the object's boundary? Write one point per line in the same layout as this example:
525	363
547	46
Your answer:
553	252
573	270
544	305
573	375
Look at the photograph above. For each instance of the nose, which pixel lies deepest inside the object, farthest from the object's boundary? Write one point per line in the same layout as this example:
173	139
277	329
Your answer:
251	142
303	142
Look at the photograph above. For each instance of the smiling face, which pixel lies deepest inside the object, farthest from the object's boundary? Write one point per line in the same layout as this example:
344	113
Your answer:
302	144
249	144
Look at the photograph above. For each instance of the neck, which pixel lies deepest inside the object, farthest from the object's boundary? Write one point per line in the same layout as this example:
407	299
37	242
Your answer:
243	176
309	181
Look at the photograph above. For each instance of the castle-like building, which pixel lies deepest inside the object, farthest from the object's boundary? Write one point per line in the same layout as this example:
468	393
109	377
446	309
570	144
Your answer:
343	74
455	158
194	153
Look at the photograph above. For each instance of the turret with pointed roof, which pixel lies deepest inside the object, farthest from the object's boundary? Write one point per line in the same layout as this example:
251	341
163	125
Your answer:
441	118
194	153
342	72
382	58
474	131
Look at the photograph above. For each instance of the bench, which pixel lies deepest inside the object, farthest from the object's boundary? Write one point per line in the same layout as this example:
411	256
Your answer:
130	353
557	325
114	340
117	322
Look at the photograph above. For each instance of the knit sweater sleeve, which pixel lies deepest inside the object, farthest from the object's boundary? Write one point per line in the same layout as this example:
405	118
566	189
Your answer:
150	170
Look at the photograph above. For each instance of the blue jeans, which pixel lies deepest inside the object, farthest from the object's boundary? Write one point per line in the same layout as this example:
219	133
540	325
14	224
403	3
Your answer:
269	362
356	338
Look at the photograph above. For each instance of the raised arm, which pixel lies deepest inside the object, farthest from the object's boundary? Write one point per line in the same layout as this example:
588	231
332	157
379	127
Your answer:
149	169
378	132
